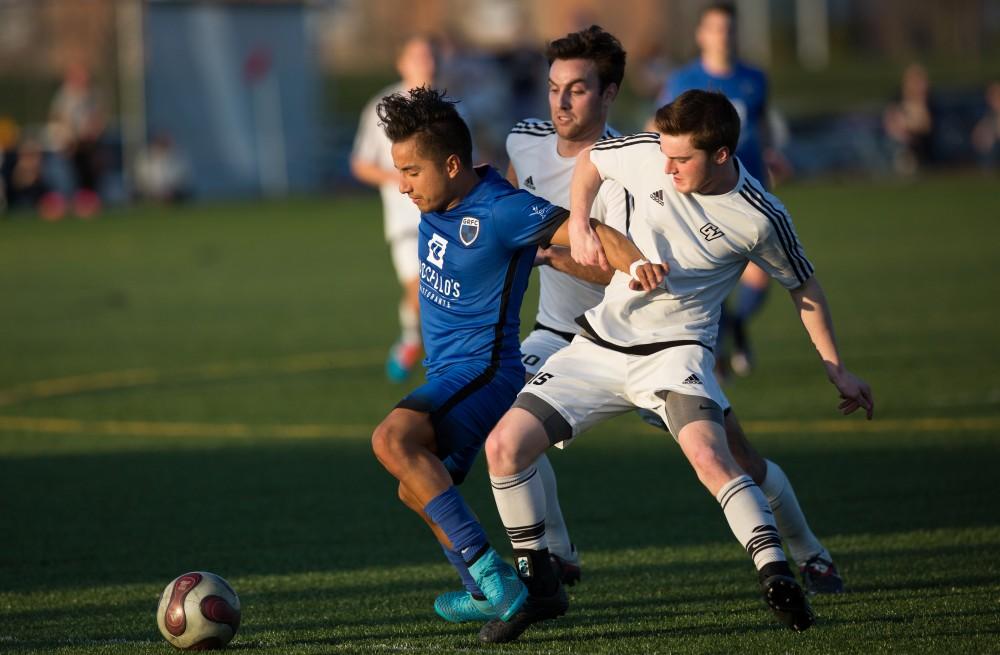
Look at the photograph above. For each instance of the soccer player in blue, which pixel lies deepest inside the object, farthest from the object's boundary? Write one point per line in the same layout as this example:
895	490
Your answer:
718	69
477	244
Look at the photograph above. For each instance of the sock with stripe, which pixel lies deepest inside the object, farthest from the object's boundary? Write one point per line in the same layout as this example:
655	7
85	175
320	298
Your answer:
802	543
463	572
521	504
454	517
751	520
556	533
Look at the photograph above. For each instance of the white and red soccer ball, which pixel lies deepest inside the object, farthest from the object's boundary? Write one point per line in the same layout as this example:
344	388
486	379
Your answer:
198	611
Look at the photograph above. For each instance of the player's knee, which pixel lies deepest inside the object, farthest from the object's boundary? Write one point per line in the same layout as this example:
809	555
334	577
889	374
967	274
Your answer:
503	448
387	442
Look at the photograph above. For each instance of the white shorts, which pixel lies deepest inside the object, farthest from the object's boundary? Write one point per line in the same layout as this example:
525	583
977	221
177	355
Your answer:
587	383
405	257
538	346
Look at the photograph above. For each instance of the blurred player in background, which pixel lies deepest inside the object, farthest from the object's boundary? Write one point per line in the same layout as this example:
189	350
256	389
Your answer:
371	163
586	71
719	69
704	217
477	244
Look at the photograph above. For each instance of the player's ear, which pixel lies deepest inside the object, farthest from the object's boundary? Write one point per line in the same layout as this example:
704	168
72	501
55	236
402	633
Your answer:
610	93
722	155
452	166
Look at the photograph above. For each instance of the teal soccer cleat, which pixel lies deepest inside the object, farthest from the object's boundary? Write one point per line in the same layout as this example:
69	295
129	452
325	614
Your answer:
460	606
500	584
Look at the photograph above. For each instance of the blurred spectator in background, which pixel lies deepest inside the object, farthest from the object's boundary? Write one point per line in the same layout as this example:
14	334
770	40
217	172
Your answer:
718	69
161	173
909	122
986	134
371	163
77	121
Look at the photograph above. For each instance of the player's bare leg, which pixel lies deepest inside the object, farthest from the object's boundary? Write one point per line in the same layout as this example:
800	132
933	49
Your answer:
745	507
815	564
512	450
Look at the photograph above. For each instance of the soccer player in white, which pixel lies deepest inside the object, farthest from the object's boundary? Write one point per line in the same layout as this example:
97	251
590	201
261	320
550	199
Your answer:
585	72
371	163
705	218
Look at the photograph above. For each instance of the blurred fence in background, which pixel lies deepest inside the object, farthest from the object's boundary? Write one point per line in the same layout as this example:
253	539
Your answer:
260	97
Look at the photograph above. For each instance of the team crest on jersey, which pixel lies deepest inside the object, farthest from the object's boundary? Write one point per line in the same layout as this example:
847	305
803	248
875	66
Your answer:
435	250
711	232
469	230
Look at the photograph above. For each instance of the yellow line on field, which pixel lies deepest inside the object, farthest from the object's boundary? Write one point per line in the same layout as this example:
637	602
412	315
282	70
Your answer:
931	424
131	378
70	426
48	425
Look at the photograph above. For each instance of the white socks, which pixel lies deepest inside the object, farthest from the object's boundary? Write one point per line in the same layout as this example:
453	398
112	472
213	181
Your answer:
802	543
520	501
751	520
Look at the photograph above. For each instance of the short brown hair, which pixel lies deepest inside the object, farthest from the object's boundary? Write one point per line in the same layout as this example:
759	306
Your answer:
596	45
432	118
707	116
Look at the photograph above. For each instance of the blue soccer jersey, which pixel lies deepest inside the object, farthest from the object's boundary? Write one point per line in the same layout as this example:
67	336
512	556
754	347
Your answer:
746	88
475	261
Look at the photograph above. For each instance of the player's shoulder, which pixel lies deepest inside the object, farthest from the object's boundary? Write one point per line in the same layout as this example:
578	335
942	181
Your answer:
763	208
534	127
638	141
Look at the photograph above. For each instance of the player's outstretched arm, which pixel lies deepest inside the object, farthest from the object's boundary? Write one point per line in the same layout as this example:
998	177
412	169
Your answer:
814	312
559	258
584	244
620	253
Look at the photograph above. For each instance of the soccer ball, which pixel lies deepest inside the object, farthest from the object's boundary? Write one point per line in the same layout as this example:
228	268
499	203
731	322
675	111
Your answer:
198	611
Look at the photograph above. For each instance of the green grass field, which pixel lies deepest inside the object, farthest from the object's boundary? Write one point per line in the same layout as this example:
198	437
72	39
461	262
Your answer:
194	389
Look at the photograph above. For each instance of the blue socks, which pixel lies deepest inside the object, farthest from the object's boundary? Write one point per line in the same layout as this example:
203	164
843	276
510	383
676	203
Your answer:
452	515
463	572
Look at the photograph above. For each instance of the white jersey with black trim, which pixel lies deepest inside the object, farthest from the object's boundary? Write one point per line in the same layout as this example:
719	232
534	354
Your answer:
706	240
401	216
531	147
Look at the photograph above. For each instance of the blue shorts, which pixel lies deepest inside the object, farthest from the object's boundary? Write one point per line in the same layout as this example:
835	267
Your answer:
465	401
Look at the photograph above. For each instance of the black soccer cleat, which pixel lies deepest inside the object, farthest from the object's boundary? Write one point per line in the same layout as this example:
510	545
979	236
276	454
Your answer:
787	601
820	576
535	609
568	573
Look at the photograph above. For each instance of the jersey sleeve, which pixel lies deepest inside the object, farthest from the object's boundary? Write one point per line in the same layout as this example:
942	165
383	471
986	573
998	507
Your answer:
523	219
779	251
614	158
613	206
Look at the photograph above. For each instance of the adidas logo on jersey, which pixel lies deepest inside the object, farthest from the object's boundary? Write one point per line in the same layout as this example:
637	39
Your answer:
692	379
530	183
657	196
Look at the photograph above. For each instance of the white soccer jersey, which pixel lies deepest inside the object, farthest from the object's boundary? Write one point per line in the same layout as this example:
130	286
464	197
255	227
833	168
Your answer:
531	146
401	216
706	240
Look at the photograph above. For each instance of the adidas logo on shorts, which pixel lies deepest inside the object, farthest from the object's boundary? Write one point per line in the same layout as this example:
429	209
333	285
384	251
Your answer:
657	196
692	379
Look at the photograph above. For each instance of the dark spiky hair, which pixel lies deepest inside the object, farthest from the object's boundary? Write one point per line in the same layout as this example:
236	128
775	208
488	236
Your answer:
596	45
432	118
